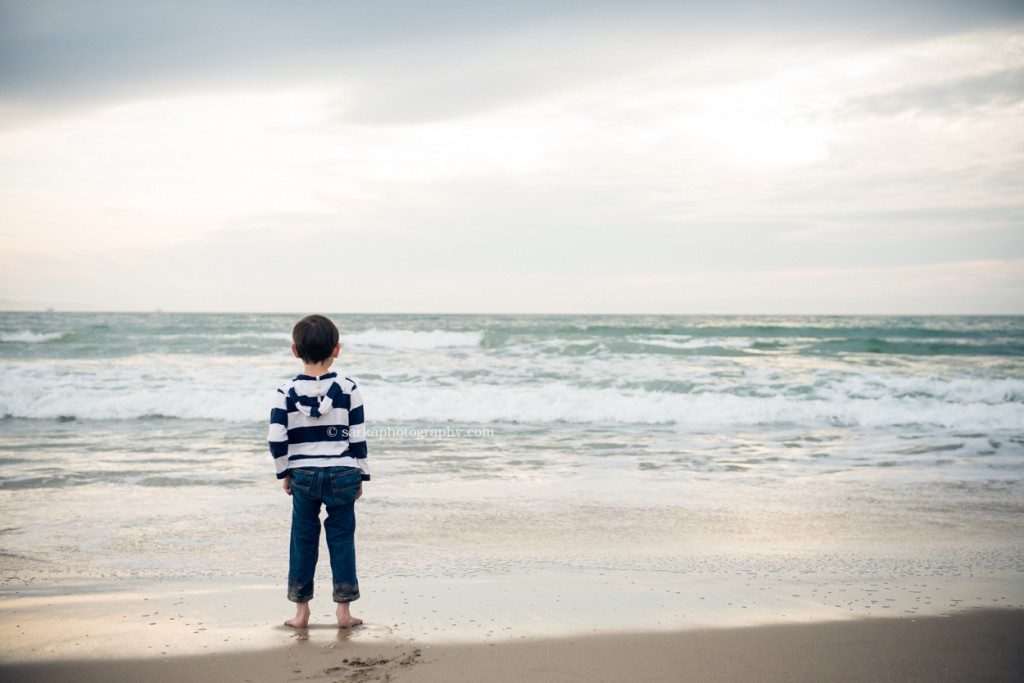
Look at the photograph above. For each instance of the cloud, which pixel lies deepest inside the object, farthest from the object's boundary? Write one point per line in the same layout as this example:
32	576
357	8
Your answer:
984	286
409	59
950	98
448	157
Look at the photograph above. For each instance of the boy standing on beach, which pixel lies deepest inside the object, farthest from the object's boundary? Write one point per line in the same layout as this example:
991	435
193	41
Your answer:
318	441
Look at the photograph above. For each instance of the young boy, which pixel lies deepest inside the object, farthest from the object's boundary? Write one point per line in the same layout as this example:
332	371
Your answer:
318	441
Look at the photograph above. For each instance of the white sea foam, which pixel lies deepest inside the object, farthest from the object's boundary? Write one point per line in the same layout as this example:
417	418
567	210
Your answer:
538	378
115	392
412	339
687	342
277	336
226	393
27	337
565	403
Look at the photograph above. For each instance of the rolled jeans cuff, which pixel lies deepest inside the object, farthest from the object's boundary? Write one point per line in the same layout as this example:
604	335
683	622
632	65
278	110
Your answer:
299	591
346	592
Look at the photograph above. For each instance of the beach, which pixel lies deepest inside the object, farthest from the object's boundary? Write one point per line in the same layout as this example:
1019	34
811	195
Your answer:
659	593
686	339
983	645
562	498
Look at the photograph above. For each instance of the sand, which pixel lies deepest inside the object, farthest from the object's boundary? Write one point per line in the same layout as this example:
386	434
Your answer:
977	645
466	585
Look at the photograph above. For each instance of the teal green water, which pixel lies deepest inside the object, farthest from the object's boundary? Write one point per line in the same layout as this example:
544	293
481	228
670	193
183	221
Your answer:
104	335
87	397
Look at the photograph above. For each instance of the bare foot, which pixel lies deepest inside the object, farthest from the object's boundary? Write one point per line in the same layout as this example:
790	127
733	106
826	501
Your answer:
301	618
345	619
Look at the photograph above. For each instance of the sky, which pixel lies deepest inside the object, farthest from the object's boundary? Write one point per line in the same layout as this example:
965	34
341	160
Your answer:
529	157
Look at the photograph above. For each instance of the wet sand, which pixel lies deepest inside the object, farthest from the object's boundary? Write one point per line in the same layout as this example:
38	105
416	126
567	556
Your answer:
793	581
984	645
979	645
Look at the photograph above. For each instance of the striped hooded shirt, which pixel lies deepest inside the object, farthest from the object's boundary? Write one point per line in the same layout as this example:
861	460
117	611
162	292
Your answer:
318	422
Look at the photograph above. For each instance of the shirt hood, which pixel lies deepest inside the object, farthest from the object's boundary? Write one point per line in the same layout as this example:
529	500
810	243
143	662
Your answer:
317	396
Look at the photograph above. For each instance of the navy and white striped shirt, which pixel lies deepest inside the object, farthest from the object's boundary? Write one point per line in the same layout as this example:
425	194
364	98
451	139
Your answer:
318	422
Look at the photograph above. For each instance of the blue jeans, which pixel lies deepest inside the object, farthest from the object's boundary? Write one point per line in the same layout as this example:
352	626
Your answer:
337	488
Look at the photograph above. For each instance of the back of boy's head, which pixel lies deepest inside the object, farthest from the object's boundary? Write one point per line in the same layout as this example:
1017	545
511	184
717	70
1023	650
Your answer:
315	337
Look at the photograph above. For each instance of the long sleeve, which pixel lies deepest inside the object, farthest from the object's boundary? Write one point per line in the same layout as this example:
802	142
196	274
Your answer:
357	432
277	434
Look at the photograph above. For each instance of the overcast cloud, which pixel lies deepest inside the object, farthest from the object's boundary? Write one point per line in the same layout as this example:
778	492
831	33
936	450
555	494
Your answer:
535	157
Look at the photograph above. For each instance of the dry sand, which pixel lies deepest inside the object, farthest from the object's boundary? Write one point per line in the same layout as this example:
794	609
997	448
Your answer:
979	645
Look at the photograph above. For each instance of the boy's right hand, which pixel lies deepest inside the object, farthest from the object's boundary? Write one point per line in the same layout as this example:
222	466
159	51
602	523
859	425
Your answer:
287	483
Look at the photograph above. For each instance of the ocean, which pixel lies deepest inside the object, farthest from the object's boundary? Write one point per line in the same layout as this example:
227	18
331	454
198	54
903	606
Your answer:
82	395
132	446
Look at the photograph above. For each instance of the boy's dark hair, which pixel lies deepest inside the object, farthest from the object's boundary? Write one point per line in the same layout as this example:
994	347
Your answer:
315	337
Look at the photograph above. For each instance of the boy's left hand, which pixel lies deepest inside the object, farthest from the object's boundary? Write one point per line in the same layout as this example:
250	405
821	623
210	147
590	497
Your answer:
287	483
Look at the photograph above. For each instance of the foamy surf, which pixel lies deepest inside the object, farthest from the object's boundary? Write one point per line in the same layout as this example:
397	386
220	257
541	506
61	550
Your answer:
27	337
223	391
411	339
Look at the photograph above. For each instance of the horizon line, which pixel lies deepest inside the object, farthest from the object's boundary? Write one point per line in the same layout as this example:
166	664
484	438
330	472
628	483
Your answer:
159	311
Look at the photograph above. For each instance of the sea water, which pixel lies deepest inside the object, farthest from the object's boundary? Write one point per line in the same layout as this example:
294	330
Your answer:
133	445
157	399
